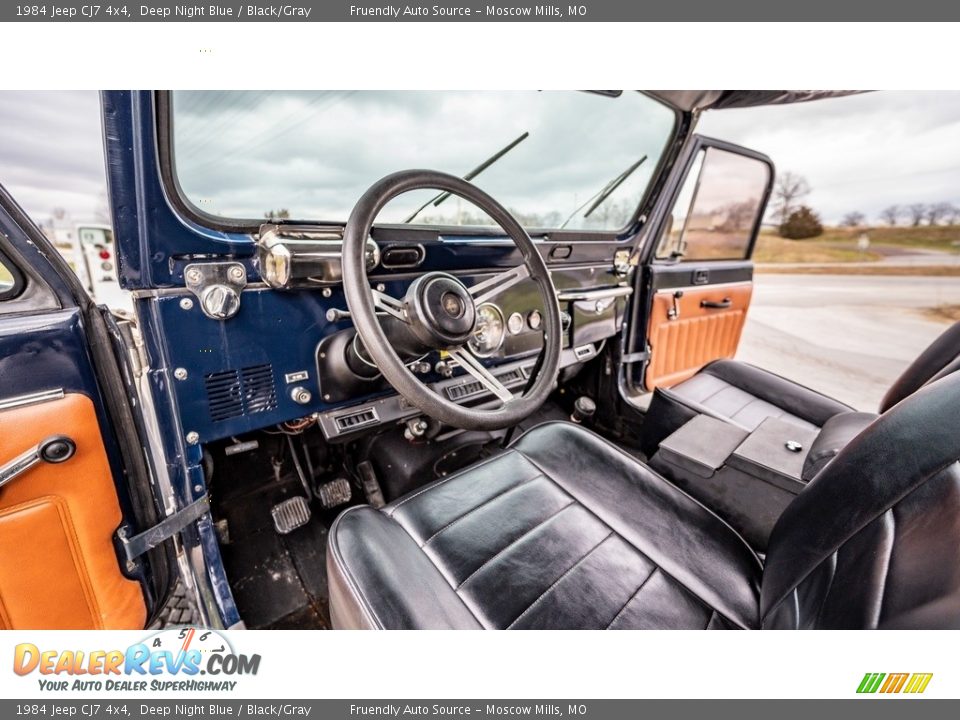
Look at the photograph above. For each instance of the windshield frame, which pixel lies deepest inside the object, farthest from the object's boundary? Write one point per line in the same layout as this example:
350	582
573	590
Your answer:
163	108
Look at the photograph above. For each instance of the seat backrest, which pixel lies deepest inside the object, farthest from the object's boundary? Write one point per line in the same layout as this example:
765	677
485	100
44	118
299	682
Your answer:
940	359
872	541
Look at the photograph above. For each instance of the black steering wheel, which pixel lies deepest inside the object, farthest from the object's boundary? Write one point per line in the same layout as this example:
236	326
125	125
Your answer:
440	312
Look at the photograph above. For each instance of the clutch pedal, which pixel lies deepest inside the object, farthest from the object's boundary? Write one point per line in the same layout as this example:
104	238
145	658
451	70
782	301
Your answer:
333	493
290	514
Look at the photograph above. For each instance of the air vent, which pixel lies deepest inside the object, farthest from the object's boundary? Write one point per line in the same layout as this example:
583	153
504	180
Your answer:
469	389
233	393
356	419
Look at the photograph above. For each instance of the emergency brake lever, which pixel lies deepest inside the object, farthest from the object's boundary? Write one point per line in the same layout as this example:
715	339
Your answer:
54	450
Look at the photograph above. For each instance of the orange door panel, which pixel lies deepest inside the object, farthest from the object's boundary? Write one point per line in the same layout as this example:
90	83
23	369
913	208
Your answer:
58	567
706	327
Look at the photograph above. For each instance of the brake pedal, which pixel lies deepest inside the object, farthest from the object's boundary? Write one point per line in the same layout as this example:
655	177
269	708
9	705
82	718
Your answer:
290	514
333	493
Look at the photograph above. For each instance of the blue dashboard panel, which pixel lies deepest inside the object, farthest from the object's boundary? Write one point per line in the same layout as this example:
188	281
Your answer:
239	373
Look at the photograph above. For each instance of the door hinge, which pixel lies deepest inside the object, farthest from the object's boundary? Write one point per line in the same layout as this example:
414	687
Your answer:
137	545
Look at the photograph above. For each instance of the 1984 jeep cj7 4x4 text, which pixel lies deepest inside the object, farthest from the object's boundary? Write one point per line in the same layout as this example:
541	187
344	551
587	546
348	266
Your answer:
403	401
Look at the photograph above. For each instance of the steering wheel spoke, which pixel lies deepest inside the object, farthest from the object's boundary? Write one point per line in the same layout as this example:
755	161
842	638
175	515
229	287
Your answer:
486	289
470	363
439	311
389	305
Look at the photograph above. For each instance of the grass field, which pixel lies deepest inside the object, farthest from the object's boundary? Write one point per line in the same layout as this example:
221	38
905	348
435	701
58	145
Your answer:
945	238
775	249
943	313
839	245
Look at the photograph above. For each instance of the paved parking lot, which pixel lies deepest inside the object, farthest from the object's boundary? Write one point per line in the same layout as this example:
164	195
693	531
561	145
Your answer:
847	336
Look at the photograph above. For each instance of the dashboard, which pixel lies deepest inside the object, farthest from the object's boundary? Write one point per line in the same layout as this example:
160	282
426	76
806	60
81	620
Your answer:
279	357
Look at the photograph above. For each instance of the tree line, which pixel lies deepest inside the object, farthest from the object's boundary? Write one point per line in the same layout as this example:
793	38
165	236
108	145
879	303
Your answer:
912	215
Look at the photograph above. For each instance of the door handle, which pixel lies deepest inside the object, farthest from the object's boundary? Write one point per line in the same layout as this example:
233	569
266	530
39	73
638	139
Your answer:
713	305
54	450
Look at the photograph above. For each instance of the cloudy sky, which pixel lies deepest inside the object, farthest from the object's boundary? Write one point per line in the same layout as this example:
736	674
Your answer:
858	153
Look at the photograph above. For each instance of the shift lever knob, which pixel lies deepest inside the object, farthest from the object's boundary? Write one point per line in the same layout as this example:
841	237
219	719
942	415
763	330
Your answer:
583	409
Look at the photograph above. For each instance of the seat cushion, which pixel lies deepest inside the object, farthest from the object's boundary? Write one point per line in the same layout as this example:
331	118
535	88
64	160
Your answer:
562	530
739	393
747	395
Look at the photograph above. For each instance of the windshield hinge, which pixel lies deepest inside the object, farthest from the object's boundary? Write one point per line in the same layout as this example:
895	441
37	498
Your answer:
217	286
134	547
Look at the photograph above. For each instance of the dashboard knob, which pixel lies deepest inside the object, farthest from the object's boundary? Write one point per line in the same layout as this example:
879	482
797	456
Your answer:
300	395
220	301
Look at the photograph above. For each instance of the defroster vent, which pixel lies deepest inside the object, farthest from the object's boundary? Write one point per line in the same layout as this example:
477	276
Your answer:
233	393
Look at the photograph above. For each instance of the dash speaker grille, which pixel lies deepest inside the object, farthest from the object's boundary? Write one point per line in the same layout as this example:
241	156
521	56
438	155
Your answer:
233	393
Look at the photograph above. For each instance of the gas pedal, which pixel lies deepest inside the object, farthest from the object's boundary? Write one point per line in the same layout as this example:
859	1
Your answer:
333	493
290	514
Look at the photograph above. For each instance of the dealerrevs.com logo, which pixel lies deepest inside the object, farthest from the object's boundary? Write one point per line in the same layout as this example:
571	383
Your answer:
892	683
182	659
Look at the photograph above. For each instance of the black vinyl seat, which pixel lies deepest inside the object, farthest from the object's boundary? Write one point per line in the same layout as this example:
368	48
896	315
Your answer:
745	396
564	530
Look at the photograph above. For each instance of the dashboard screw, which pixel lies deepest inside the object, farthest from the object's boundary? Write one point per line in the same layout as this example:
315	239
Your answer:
381	287
193	275
326	292
186	304
180	373
193	438
237	273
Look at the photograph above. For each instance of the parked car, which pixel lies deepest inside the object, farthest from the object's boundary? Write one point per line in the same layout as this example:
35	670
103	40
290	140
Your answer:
497	392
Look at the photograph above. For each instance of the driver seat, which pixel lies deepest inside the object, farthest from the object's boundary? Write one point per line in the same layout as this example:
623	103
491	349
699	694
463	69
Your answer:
564	530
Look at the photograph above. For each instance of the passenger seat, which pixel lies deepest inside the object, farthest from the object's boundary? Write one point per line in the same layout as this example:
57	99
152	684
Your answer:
745	396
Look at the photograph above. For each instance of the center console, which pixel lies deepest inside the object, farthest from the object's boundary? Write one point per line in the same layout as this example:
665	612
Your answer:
747	478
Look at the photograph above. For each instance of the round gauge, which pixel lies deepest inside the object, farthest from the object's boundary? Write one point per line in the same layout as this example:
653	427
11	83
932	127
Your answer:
515	323
488	334
535	320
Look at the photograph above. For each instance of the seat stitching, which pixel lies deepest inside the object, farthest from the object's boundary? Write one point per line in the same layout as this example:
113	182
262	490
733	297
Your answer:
528	532
886	572
560	579
484	503
703	601
895	501
712	395
826	594
433	486
632	597
443	575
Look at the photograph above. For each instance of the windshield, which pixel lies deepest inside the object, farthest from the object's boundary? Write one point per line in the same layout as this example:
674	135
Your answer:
554	159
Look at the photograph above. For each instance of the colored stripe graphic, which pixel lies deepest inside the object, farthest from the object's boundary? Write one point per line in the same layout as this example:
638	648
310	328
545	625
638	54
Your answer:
918	682
870	682
894	683
913	683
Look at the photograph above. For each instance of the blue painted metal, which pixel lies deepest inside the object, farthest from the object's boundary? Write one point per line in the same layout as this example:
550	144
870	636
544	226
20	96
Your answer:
151	238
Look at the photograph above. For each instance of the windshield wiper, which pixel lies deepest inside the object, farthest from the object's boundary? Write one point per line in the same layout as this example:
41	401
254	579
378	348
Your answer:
605	192
437	199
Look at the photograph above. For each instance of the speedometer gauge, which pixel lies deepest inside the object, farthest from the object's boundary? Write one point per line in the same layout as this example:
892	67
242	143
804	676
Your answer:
488	335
